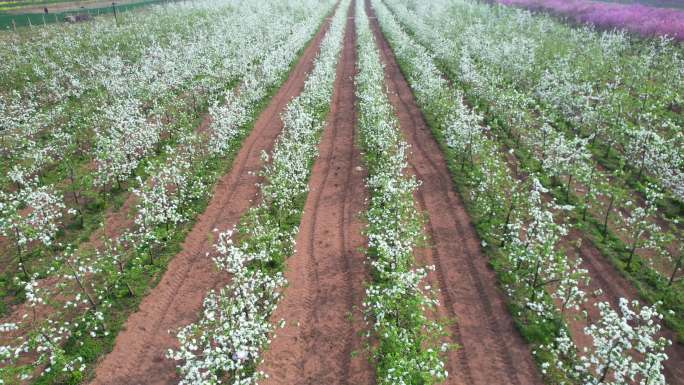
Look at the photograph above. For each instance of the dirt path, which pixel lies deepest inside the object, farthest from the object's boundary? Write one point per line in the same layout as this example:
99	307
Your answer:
327	272
492	351
138	355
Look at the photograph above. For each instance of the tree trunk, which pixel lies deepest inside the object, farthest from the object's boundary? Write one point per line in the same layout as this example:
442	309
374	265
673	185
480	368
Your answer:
20	255
536	278
605	221
678	266
608	148
80	284
508	219
128	286
631	254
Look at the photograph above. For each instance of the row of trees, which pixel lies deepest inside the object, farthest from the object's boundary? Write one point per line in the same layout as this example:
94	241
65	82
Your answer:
69	304
549	107
516	211
142	101
225	344
398	301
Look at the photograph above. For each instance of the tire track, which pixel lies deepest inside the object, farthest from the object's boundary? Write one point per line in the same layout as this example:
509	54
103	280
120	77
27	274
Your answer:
138	354
326	273
491	350
320	305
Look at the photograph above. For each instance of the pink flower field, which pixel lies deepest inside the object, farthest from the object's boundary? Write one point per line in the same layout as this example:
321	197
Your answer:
636	18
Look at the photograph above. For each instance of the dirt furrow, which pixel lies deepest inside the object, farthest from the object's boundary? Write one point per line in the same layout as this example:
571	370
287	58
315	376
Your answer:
491	350
138	354
326	274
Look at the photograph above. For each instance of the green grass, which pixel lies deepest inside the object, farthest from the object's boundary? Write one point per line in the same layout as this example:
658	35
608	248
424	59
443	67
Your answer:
37	19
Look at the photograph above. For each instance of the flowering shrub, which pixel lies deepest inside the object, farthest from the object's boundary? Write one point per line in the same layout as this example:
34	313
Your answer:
533	268
73	306
537	262
233	327
126	138
624	347
225	344
32	213
163	198
396	299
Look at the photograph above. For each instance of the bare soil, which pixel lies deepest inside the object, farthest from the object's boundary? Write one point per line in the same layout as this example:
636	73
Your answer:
491	351
138	354
326	274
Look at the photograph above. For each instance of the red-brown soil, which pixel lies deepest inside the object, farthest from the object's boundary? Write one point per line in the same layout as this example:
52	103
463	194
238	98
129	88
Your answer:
491	351
326	274
138	355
